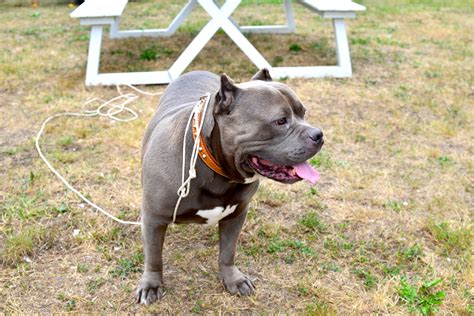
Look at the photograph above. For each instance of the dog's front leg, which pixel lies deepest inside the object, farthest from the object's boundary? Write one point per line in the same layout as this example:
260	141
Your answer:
229	230
150	287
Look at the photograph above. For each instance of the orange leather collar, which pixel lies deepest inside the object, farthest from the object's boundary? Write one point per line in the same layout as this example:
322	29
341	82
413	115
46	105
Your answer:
204	151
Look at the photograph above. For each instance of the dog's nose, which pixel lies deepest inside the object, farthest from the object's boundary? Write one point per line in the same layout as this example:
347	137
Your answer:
316	135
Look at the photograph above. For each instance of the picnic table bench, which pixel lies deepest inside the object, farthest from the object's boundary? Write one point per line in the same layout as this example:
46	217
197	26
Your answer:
100	13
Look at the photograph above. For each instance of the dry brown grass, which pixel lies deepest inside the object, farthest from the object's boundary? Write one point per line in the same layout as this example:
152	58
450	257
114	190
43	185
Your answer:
395	199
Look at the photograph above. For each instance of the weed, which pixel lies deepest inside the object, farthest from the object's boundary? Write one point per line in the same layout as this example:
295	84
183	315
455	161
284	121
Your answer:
312	221
360	41
70	305
149	54
65	141
82	268
396	206
198	307
402	92
444	161
318	308
336	246
277	60
252	250
295	48
23	243
423	299
391	270
322	48
65	157
360	138
410	254
278	245
322	160
128	265
62	208
93	285
453	241
432	74
369	279
331	266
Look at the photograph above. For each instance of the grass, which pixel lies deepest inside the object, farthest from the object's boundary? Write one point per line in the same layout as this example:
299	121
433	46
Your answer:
424	299
390	217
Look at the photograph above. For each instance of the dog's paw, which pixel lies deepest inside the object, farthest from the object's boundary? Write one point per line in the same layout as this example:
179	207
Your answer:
149	289
236	282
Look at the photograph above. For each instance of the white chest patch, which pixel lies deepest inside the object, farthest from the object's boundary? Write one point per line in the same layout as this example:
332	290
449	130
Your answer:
214	215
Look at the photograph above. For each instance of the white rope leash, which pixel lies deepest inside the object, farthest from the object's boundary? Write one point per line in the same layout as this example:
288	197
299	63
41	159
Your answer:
183	190
112	112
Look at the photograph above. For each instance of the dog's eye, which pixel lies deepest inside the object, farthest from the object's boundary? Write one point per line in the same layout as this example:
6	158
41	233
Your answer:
281	121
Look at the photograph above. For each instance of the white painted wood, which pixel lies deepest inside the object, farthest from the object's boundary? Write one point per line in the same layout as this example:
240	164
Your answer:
99	8
170	30
234	33
93	56
266	29
97	21
290	19
138	78
342	45
337	15
332	5
220	18
198	43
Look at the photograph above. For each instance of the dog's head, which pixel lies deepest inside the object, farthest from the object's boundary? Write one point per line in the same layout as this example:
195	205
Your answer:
263	130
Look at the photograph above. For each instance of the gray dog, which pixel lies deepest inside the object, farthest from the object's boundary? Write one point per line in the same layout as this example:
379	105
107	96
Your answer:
253	128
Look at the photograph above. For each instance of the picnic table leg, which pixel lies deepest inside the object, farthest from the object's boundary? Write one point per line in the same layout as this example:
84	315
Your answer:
290	19
234	33
342	47
220	18
93	57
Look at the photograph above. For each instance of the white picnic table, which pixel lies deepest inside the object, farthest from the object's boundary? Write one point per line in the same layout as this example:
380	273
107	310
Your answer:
100	13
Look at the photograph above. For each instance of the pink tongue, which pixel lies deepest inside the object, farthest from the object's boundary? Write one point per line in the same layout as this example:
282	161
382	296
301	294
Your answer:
305	171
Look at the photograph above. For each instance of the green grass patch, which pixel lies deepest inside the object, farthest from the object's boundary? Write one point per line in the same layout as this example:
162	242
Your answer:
93	285
312	221
127	266
370	280
149	54
295	48
409	254
322	160
452	241
290	248
23	243
424	299
445	161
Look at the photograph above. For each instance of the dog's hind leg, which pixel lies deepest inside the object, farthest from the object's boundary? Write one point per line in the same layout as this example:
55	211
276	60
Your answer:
229	230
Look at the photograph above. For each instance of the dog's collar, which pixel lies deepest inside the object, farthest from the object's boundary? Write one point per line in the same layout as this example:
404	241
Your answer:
204	152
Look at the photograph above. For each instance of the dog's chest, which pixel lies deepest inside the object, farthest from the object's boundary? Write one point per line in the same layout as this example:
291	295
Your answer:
213	216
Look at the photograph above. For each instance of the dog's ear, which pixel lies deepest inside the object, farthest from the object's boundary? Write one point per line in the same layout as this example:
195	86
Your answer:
226	95
263	74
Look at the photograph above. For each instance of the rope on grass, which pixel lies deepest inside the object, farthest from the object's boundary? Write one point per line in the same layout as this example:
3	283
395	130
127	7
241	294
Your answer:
114	109
108	108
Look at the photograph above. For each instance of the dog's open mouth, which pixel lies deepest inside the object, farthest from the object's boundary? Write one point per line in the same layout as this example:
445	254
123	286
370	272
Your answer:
285	174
